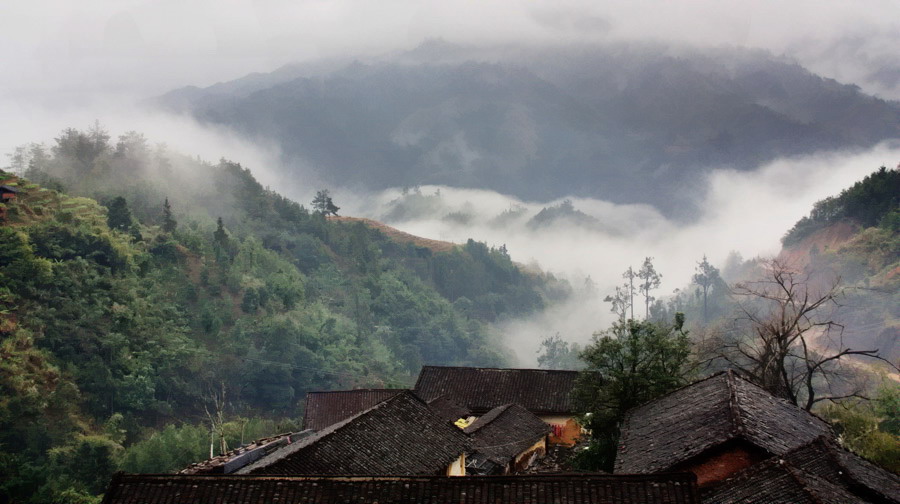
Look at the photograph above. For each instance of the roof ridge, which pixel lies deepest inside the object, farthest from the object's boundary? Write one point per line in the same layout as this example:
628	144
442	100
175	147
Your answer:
477	426
673	391
500	369
560	476
398	390
734	408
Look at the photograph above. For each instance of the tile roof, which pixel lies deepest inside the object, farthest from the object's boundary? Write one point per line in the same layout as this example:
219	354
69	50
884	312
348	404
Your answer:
448	407
540	391
505	432
685	423
775	482
556	489
826	459
399	436
326	408
235	459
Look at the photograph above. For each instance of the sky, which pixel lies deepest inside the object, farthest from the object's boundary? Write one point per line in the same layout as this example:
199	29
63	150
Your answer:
67	63
60	50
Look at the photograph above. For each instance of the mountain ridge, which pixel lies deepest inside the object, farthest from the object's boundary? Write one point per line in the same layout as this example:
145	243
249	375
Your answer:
626	123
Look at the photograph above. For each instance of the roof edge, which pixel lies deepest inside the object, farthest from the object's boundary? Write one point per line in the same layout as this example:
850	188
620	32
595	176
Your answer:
295	447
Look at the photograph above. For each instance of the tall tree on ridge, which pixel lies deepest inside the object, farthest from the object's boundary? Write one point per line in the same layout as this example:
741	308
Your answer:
706	276
650	280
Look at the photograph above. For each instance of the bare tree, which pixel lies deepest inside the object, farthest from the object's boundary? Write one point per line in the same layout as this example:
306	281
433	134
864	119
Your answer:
796	347
629	285
620	302
217	421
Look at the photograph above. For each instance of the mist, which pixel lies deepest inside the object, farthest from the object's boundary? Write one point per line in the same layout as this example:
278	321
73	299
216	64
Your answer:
56	51
743	212
746	212
67	65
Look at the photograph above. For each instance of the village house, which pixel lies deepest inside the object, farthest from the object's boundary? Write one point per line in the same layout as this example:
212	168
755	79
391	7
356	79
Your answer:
820	472
8	193
746	445
398	436
713	428
507	439
556	489
327	408
543	392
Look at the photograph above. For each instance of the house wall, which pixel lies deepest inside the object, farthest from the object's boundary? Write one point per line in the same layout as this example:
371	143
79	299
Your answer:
524	460
723	461
569	429
457	467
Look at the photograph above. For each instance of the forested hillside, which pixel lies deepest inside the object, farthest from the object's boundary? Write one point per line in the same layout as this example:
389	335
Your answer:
148	298
621	122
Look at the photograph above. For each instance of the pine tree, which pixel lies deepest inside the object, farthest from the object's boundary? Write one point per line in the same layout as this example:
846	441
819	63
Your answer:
322	203
169	222
118	215
220	236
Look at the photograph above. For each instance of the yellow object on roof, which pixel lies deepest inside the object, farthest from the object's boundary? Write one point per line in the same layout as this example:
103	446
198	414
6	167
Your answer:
462	423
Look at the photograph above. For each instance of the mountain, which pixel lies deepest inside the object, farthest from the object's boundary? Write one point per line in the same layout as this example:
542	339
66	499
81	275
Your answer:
626	122
855	235
148	292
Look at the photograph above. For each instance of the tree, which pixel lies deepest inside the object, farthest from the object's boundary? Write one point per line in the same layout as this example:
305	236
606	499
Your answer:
118	215
629	364
650	280
794	347
706	276
556	353
169	222
220	236
322	203
630	276
620	302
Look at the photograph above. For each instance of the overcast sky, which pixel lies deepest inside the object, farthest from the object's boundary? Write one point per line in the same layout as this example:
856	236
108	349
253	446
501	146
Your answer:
62	50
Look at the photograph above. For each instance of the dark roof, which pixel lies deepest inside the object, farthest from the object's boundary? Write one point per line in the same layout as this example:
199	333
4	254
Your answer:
824	458
9	189
505	432
556	489
399	436
326	408
685	423
448	407
775	482
540	391
249	453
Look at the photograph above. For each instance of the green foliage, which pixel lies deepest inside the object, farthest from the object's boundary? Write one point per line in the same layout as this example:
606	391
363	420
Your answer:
555	353
172	448
323	205
169	223
869	428
869	202
115	341
627	365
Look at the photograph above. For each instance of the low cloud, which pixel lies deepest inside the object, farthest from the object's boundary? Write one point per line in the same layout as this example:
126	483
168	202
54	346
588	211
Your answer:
746	212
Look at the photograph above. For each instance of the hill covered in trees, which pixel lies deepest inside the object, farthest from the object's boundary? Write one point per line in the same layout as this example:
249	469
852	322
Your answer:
621	122
144	293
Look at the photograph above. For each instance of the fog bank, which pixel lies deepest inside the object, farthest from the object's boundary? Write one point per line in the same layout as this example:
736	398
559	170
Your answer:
745	212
